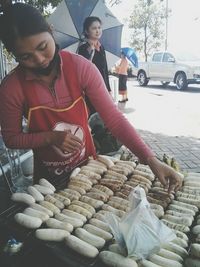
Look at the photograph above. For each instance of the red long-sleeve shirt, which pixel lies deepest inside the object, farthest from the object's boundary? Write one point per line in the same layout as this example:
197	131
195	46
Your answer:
13	108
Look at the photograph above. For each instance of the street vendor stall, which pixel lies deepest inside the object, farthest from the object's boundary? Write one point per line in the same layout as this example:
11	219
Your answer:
78	213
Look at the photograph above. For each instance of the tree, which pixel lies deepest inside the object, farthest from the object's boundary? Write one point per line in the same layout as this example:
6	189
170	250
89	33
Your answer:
42	5
147	22
114	2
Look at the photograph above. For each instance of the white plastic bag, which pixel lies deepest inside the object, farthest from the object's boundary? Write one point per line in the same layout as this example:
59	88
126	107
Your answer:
139	232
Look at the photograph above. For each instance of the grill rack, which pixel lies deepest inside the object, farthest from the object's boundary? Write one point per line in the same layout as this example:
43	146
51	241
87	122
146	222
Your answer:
56	251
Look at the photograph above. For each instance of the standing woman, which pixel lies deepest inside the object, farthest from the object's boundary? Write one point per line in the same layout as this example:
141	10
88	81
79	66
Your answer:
94	51
48	88
122	70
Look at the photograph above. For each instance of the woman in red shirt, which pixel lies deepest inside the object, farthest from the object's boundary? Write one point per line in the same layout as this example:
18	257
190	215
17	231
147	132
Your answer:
48	88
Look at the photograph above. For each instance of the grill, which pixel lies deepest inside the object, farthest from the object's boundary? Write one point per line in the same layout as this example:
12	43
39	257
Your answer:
35	253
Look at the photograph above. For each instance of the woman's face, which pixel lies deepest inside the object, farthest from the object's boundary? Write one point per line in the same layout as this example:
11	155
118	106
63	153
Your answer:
94	31
36	51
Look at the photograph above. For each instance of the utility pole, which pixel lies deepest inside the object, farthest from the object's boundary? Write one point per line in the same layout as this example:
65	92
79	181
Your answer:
166	26
166	23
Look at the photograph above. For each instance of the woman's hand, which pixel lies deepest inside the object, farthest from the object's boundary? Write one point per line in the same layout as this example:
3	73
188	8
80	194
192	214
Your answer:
70	143
64	140
171	179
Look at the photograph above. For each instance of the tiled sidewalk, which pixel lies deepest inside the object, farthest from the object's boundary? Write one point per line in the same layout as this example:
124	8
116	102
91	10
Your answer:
186	150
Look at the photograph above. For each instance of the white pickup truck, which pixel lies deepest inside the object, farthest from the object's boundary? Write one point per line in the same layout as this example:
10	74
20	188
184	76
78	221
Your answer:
166	68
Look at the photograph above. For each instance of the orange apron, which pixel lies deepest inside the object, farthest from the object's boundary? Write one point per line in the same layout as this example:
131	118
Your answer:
51	160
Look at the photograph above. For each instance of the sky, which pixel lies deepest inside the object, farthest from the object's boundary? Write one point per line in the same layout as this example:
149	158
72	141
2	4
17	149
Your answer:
183	24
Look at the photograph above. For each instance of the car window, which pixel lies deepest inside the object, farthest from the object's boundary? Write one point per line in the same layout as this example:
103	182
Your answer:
167	56
157	57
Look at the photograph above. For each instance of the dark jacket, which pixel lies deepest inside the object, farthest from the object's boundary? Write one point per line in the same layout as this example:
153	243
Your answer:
99	59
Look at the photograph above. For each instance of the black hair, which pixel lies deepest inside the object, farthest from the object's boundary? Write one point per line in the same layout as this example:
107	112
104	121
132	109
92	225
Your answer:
18	21
87	23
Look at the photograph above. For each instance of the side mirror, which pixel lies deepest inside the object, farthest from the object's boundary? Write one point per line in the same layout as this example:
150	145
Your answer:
171	59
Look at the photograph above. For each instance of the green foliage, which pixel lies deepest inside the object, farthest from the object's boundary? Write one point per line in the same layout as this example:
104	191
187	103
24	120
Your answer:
7	55
147	22
114	2
42	5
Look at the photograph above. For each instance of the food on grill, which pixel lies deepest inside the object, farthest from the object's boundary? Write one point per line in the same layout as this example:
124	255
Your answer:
43	189
195	250
28	221
93	192
90	238
81	247
116	260
56	224
91	201
98	166
181	242
91	169
36	213
77	188
35	193
66	201
181	209
118	205
81	178
157	210
141	178
104	189
74	214
91	174
46	183
161	261
50	206
97	231
146	263
51	234
145	174
71	195
170	255
80	210
84	205
105	160
99	216
195	202
85	184
184	220
196	230
176	226
73	221
23	197
116	174
117	249
59	204
181	235
119	200
41	208
176	249
75	172
98	195
100	224
117	212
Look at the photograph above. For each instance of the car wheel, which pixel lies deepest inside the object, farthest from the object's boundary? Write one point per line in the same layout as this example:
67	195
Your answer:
181	81
164	84
142	78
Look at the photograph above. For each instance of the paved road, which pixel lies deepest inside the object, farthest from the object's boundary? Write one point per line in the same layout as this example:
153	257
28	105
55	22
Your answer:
168	120
164	110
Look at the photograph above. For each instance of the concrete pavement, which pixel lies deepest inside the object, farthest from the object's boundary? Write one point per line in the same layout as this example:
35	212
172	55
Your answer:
167	137
186	150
